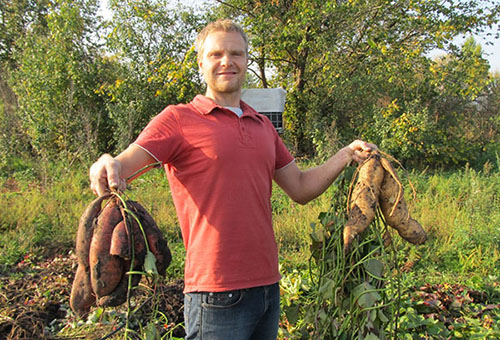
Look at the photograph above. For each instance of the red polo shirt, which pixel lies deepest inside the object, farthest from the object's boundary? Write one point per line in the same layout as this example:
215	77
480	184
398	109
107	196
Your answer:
220	169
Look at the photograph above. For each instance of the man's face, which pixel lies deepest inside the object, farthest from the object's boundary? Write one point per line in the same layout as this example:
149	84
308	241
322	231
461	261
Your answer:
223	62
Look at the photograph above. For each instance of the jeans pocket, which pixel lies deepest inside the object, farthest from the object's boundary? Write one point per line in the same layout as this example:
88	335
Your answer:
221	300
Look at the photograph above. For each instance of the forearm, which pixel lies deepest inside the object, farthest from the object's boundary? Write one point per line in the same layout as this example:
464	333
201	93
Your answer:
313	182
132	160
304	186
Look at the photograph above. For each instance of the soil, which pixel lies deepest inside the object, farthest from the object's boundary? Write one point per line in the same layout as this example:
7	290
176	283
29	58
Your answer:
34	303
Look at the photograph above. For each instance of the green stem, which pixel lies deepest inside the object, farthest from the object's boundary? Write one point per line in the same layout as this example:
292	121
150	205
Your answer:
142	169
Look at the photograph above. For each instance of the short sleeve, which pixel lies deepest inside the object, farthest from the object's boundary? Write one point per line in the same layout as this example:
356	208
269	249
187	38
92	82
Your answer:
162	137
283	155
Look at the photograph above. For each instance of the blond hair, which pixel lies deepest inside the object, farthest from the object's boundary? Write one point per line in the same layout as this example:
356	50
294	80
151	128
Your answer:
221	25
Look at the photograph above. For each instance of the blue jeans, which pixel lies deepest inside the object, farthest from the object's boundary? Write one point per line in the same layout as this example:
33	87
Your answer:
246	314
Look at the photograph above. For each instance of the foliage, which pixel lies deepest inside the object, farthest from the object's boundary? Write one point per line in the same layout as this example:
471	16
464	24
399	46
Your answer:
15	18
446	288
351	295
55	82
448	311
462	234
73	85
339	59
154	61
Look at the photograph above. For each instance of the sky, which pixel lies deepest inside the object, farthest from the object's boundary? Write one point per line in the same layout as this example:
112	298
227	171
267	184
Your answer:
491	51
490	46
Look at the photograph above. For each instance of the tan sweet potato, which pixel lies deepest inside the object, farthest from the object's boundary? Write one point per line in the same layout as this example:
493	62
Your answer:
106	270
394	209
364	198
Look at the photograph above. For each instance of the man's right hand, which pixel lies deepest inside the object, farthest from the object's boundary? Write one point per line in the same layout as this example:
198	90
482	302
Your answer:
106	174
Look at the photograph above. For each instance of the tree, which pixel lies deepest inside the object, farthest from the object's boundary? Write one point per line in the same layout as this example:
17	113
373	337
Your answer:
16	17
337	59
440	121
152	45
55	81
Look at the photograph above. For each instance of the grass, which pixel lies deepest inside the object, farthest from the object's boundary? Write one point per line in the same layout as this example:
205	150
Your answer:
459	210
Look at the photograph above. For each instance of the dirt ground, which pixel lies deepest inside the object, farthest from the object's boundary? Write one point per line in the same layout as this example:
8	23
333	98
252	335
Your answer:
34	303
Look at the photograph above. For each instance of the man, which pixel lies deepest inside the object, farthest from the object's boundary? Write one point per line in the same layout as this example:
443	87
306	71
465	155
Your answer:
220	157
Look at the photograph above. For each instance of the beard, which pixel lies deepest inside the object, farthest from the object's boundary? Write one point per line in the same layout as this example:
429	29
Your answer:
220	84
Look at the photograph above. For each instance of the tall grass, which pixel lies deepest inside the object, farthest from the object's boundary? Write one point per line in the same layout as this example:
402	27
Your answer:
461	213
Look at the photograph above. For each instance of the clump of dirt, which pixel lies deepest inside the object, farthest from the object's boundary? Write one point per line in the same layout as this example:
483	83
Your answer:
34	300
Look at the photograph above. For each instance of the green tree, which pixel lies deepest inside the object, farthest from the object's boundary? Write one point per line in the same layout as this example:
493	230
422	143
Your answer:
338	59
16	17
56	79
152	44
441	120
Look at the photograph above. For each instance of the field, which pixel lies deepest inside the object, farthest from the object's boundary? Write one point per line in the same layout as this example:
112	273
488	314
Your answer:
447	288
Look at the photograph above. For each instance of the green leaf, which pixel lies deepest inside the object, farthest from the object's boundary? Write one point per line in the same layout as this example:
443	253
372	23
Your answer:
371	336
382	317
372	43
150	264
374	267
96	316
327	289
292	313
365	295
151	333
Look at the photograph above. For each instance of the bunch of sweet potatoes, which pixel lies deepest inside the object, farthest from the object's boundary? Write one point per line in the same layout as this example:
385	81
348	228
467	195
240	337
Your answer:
378	185
109	244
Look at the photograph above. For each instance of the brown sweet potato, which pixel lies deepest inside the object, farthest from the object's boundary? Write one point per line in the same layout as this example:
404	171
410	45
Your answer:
364	198
394	209
157	243
120	243
82	295
86	229
106	270
119	294
104	252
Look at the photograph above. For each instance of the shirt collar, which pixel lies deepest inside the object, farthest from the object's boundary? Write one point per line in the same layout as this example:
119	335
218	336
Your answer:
205	106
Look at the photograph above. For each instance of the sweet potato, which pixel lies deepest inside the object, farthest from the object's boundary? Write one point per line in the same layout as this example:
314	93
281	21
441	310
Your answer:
394	209
86	229
104	250
157	243
120	243
105	269
82	295
119	294
364	198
